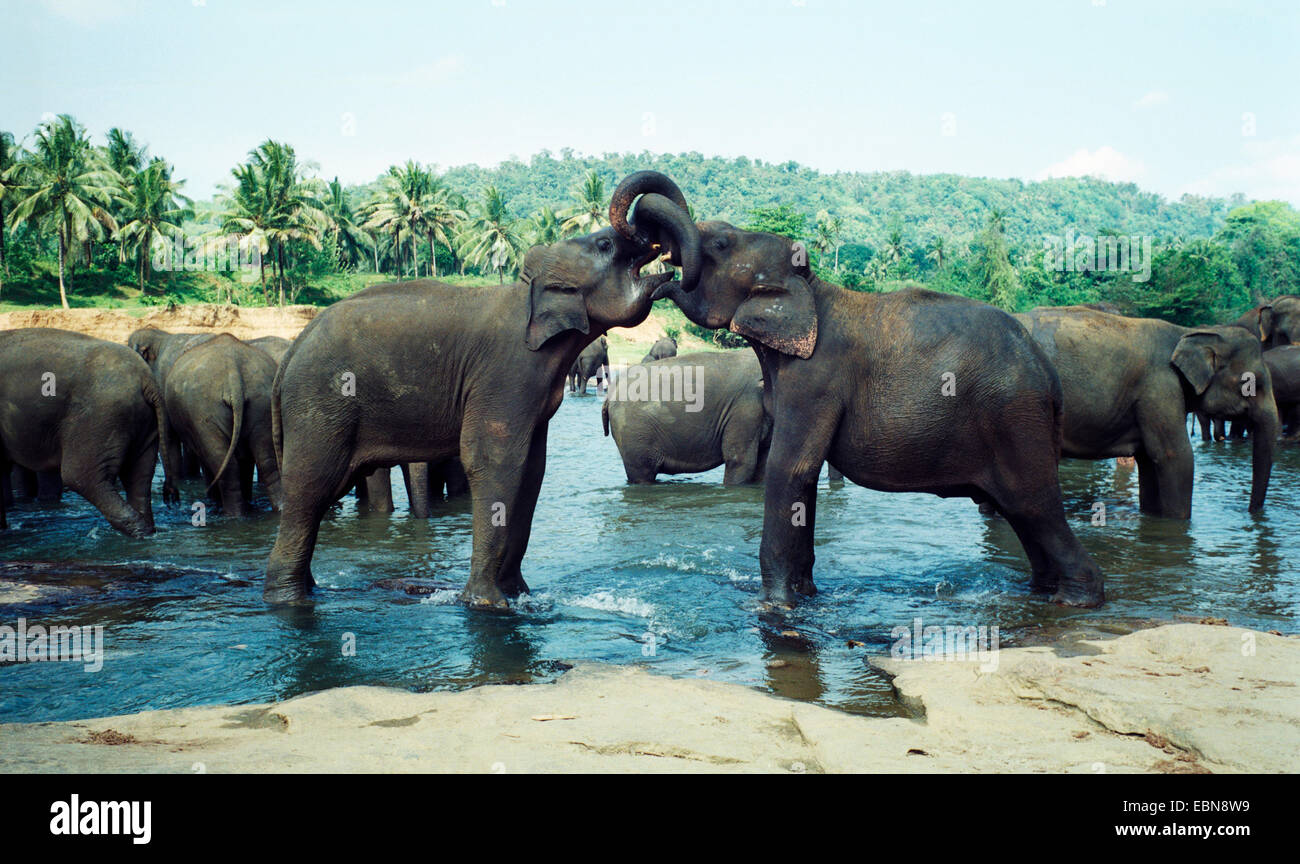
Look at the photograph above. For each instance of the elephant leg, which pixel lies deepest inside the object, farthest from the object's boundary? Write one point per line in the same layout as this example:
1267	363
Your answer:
741	459
137	480
836	477
187	458
262	452
504	479
211	442
512	579
454	477
379	490
416	476
311	482
1165	469
785	554
25	482
641	467
6	490
1239	429
91	477
1030	499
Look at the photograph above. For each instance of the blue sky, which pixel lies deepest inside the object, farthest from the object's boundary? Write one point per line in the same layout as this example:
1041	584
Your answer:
1175	96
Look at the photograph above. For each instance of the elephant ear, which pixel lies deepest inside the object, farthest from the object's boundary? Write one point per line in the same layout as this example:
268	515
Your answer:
1265	322
553	307
782	317
1196	359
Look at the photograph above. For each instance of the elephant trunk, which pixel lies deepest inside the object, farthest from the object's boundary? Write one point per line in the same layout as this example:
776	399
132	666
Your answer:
666	217
640	183
1265	428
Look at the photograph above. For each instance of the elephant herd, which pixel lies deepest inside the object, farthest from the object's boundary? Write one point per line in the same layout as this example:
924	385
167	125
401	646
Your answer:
908	391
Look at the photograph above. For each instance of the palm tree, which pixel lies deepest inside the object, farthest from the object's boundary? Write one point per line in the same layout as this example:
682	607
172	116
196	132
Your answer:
444	214
393	211
591	213
829	229
155	210
544	228
10	163
126	157
67	189
937	252
349	237
491	240
274	204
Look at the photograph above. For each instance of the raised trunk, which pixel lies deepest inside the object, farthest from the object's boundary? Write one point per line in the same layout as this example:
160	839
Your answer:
1264	430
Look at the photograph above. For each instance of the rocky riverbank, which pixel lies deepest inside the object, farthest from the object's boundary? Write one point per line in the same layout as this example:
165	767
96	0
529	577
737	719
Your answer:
1181	698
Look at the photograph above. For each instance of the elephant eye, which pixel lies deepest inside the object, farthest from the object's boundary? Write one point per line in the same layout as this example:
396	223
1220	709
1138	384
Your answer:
604	245
721	243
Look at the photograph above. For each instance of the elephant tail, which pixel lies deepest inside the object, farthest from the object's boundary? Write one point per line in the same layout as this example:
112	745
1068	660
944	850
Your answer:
604	417
235	398
152	395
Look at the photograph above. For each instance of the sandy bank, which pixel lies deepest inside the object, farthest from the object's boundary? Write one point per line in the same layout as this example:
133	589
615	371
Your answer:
1182	698
115	326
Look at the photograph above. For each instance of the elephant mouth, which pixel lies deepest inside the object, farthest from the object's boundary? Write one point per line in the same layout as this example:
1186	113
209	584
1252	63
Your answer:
651	282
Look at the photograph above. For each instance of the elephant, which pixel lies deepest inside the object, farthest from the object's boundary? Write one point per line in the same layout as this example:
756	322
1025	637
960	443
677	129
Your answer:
907	391
91	411
276	346
1278	321
1130	383
218	397
1283	365
661	350
160	349
712	416
46	486
422	371
592	362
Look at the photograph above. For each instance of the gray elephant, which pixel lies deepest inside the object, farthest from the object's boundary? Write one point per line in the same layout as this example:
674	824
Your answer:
661	350
906	391
276	346
593	362
705	410
218	397
1130	383
90	410
421	372
160	349
1283	365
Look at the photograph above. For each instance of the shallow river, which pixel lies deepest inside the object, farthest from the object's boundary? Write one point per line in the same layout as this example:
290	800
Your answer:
665	575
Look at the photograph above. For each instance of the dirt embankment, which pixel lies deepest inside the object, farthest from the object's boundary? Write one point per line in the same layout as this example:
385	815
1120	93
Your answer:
116	325
627	343
1181	699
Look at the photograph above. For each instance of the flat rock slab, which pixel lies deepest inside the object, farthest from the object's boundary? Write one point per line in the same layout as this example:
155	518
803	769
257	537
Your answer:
1179	698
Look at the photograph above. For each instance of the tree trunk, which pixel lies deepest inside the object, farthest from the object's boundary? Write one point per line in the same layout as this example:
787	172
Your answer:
433	256
63	294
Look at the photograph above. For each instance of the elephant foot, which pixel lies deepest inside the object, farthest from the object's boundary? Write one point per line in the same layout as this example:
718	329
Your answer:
803	585
1087	596
513	585
287	589
484	595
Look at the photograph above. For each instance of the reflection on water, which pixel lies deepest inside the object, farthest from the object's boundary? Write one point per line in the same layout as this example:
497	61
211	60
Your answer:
665	575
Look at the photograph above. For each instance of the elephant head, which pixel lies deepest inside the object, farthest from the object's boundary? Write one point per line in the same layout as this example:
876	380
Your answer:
147	342
754	284
594	282
1223	367
1279	321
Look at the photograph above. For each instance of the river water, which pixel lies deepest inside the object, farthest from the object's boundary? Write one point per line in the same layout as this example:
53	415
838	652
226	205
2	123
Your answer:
663	575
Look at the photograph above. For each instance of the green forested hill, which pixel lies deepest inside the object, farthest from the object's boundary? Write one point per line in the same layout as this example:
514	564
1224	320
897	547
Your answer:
870	204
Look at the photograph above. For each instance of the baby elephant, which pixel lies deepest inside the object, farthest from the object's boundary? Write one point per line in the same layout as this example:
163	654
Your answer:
661	350
218	396
690	413
89	409
592	362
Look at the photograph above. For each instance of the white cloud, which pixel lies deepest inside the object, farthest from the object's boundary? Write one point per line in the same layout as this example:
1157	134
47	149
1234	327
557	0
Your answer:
1267	170
1104	162
90	13
1152	99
